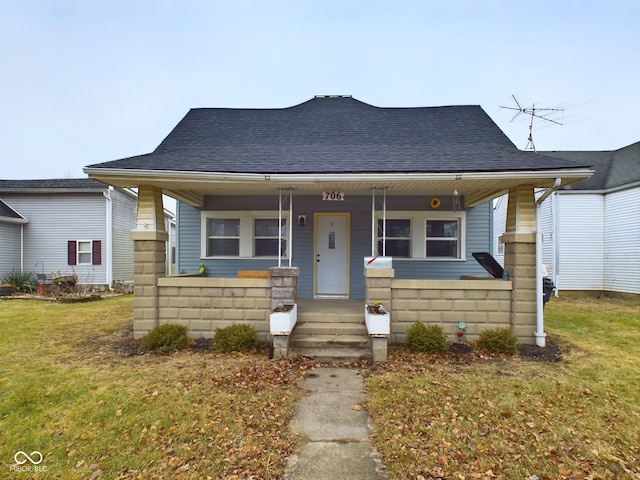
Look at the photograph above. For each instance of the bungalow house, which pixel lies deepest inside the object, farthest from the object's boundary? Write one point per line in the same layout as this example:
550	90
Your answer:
301	204
67	227
591	228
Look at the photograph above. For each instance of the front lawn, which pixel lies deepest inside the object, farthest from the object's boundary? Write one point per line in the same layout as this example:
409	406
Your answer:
71	389
74	387
514	418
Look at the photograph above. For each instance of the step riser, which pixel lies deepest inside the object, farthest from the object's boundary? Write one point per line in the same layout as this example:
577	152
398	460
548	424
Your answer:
330	317
330	329
319	342
333	354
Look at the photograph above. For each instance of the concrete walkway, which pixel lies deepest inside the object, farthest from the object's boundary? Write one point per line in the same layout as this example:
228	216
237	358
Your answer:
335	429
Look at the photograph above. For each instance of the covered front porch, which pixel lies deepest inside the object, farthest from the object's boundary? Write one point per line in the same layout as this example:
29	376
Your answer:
204	303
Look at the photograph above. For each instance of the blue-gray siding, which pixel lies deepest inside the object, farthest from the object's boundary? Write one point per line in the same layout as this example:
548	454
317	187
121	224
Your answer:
478	239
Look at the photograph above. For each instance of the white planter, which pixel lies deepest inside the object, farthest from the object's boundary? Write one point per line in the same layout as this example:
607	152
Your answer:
282	323
378	325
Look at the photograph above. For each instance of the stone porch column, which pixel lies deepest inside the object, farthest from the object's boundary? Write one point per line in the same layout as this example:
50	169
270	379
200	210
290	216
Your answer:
284	285
520	261
378	287
284	290
149	257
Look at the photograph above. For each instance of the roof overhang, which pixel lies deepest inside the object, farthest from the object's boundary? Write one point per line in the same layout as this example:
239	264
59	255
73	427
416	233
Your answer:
476	187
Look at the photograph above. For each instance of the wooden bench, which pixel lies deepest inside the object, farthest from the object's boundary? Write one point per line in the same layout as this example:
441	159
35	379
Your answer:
254	274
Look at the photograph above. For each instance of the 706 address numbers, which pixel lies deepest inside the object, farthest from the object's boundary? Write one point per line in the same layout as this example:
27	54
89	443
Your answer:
333	196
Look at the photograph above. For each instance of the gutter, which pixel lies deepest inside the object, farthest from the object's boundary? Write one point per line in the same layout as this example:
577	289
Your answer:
168	175
539	333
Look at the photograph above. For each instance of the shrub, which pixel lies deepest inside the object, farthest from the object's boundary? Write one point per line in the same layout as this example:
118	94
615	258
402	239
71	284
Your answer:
166	338
498	340
426	338
234	338
25	282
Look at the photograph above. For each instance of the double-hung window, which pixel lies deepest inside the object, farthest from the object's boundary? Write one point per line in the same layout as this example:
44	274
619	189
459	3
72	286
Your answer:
422	235
223	237
84	252
267	238
443	238
244	234
394	237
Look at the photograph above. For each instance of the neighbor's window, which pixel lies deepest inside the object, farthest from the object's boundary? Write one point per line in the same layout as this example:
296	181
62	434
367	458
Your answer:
442	237
84	253
223	237
266	237
397	238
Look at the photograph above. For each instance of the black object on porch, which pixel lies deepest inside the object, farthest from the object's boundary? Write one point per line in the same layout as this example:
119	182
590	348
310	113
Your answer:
495	270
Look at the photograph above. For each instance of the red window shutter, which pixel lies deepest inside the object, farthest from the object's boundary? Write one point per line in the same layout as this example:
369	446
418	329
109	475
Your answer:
96	253
71	252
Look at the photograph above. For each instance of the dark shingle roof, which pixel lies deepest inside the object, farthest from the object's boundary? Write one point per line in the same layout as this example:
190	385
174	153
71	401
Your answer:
51	184
338	135
7	212
613	169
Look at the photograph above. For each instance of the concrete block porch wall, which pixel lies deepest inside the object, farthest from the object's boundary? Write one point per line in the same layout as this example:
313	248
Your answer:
205	304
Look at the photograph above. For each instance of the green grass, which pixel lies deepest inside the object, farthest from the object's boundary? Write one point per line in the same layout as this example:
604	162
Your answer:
65	392
511	419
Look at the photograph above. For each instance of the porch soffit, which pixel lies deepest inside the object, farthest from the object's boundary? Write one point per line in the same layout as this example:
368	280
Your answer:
476	187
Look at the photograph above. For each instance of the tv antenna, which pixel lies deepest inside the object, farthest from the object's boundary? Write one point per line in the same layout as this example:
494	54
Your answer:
533	112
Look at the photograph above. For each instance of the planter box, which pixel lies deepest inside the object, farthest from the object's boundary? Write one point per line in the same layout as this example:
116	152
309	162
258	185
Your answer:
282	323
378	325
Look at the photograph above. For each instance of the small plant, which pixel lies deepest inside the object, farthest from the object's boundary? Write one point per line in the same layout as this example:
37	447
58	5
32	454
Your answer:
24	282
377	308
234	338
166	338
498	340
426	338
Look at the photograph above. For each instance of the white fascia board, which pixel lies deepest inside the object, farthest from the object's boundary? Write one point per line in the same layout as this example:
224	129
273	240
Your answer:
168	175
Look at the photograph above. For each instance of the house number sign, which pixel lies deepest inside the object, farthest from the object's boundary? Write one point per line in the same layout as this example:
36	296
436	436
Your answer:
333	196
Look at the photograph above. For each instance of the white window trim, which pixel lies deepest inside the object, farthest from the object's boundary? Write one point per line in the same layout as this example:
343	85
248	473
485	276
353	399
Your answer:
246	218
419	235
78	252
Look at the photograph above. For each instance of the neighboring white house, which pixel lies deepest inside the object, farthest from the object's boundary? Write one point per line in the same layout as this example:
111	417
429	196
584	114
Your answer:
591	229
67	226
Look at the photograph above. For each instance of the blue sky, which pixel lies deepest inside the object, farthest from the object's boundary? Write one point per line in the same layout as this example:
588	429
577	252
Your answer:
83	82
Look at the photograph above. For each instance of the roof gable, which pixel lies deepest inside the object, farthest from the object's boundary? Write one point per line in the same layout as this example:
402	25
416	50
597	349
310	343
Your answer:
615	168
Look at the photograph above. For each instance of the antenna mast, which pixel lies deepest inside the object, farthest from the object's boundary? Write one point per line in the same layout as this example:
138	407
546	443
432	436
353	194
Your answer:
532	112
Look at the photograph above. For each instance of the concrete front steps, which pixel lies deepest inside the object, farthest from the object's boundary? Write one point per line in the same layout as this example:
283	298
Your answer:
331	336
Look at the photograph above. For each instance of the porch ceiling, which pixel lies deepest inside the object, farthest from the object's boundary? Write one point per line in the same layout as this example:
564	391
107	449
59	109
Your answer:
476	187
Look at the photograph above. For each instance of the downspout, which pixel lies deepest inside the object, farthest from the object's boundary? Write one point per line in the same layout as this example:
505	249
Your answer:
21	248
539	333
290	224
109	238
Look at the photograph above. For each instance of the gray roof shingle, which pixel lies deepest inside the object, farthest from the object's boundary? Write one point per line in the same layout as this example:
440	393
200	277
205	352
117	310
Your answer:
50	184
613	168
7	212
338	134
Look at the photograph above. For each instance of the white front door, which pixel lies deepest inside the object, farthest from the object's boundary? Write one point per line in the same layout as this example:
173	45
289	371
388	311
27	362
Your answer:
332	254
